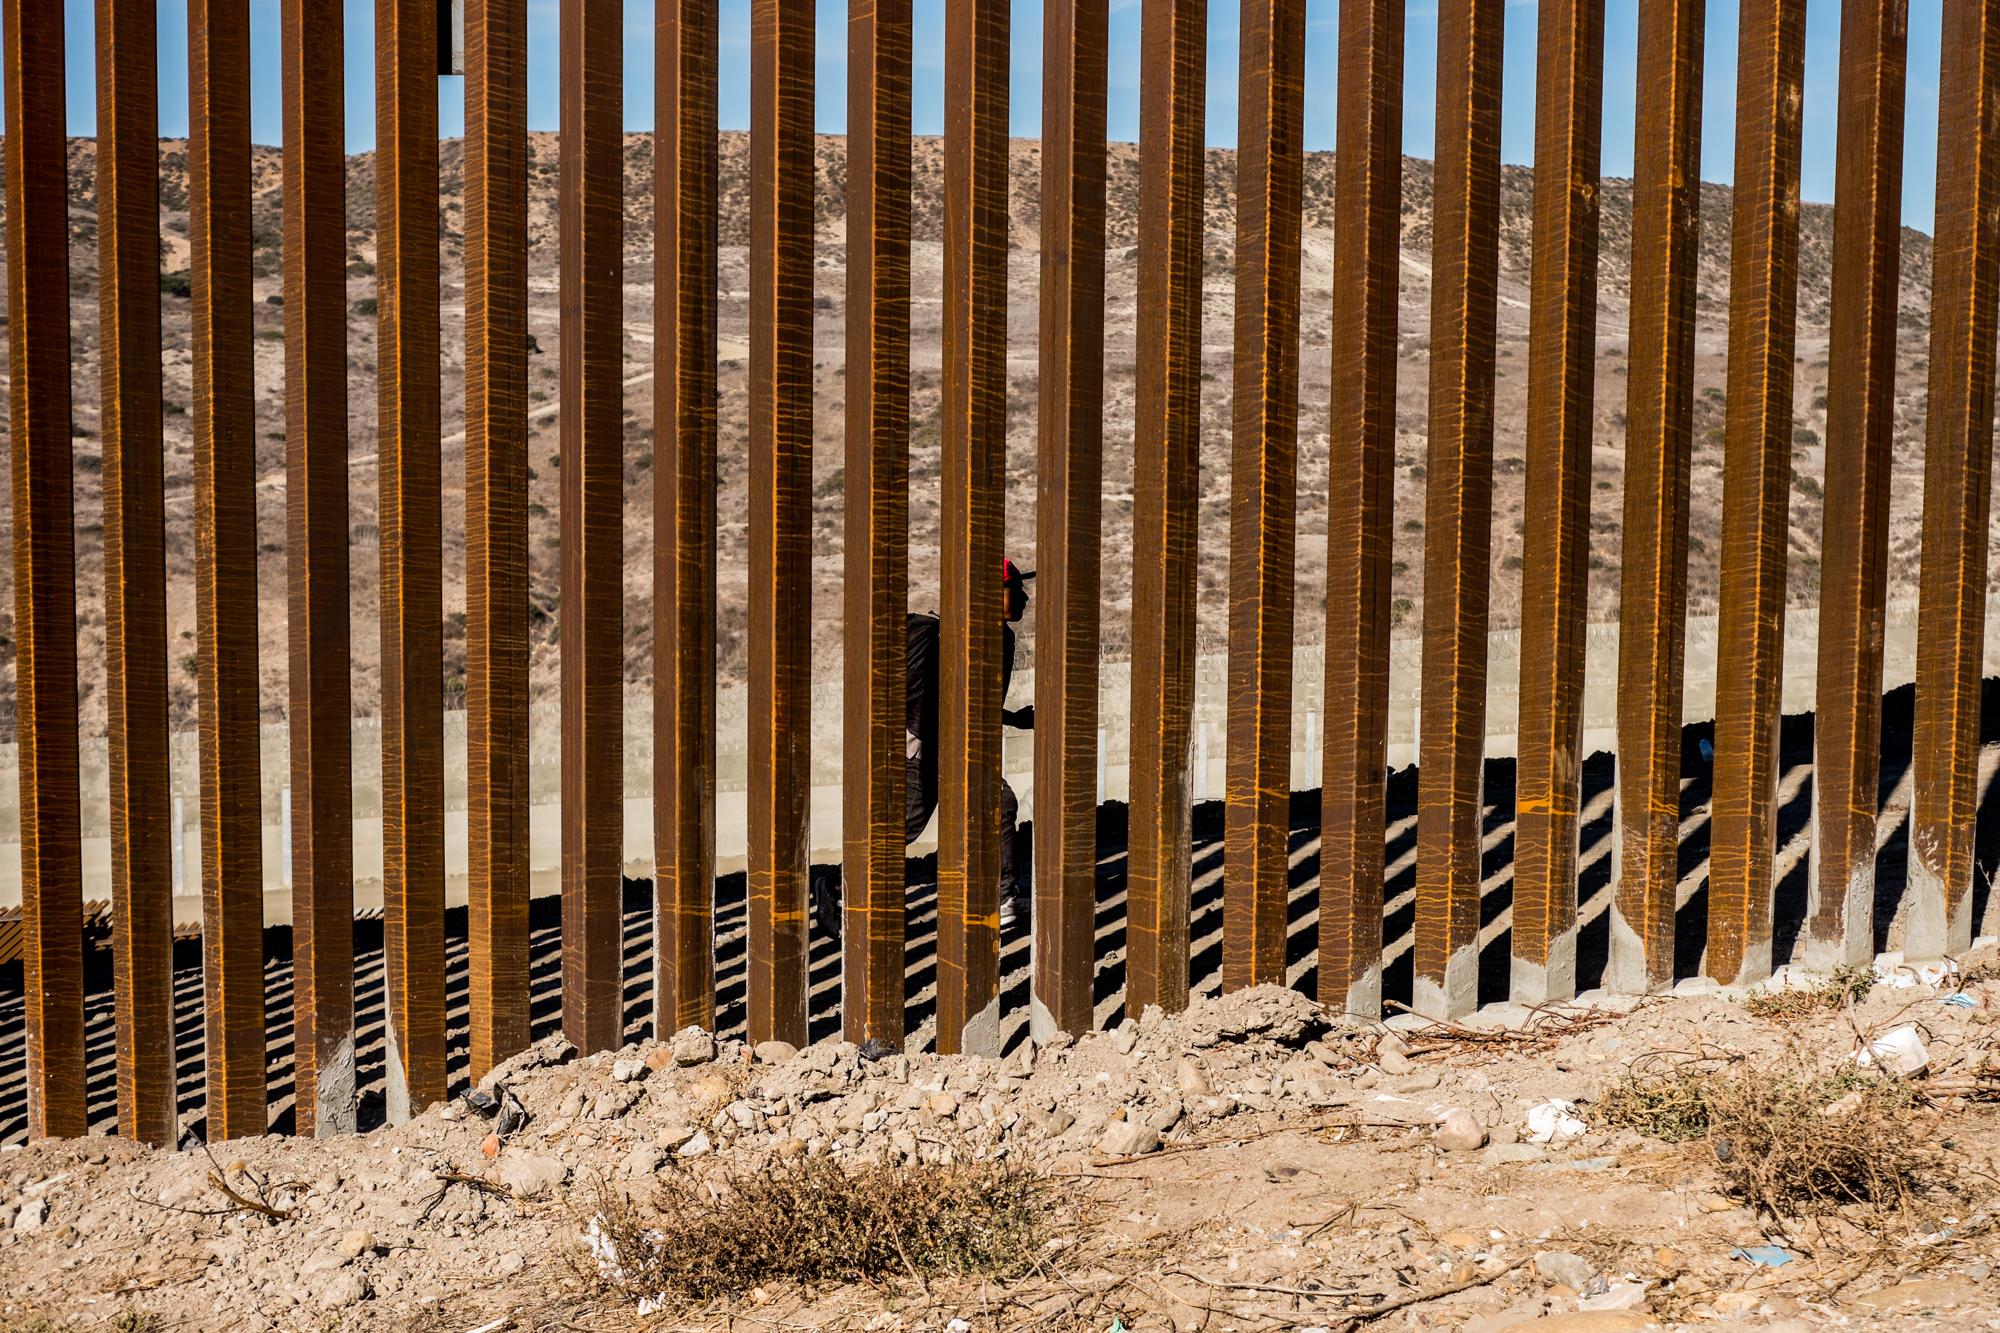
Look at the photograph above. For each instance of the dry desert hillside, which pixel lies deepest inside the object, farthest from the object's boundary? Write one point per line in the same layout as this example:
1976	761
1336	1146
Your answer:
1509	520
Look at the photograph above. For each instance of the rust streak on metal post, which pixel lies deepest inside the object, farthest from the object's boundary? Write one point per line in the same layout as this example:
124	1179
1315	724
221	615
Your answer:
1652	608
1958	483
225	477
315	220
315	289
878	510
684	523
411	521
1756	485
1458	504
1166	447
1562	360
31	32
781	458
974	430
1263	490
1069	468
1860	442
1361	457
591	180
135	564
496	526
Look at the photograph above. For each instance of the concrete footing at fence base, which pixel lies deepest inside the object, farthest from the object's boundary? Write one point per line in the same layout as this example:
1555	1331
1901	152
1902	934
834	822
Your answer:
1517	1012
1551	982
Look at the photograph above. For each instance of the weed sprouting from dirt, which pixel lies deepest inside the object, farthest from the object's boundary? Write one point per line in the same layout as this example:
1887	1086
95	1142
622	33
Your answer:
1797	1005
813	1220
1668	1104
1799	1140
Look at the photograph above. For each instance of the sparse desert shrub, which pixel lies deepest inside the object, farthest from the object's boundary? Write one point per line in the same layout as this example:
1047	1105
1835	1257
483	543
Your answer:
1669	1104
812	1220
1800	1140
1806	1144
1796	1005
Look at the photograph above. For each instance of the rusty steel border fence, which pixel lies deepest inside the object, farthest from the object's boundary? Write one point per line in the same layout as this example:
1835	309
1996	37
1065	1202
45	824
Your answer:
1260	544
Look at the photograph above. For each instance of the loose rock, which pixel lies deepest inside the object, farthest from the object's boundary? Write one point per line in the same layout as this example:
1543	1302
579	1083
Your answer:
1571	1270
774	1052
343	1289
1128	1138
530	1176
32	1215
1460	1131
693	1046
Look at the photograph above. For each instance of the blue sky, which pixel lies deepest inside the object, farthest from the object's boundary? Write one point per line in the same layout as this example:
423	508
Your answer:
1621	39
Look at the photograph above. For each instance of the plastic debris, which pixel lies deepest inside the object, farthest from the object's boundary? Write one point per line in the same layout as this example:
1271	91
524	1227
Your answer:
498	1104
1764	1256
598	1244
1898	975
1553	1121
1959	1000
1615	1296
511	1117
1899	1051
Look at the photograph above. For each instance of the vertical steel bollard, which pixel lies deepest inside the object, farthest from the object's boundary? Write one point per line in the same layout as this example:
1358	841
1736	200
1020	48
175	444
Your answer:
974	430
1562	362
38	370
1361	492
1465	263
135	563
496	527
1756	484
781	459
1166	513
410	512
592	175
225	468
1263	485
1958	483
1069	467
684	275
1860	445
878	513
1659	433
316	537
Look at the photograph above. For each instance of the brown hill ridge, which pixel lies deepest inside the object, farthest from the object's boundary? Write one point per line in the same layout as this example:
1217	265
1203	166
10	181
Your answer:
1509	522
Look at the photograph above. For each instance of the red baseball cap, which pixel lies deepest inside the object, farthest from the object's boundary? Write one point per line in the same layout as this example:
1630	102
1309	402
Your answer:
1011	573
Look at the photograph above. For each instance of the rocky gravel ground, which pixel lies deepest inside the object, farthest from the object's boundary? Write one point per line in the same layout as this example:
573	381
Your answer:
1251	1164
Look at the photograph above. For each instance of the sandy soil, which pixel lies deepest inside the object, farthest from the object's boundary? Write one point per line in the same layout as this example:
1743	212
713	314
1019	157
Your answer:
1247	1165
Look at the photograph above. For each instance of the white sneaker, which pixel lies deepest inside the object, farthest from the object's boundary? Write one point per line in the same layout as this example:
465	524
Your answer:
1010	912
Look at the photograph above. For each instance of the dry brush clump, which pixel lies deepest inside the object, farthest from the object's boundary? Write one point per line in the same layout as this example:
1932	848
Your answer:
811	1220
1802	1139
1798	1004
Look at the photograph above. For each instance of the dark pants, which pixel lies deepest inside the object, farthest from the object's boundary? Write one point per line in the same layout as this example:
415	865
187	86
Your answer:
920	801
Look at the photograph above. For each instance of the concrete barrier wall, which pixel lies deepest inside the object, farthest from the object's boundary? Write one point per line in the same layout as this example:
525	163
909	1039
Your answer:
1207	759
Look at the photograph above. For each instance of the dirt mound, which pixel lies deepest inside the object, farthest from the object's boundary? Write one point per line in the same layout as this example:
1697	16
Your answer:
1253	1162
